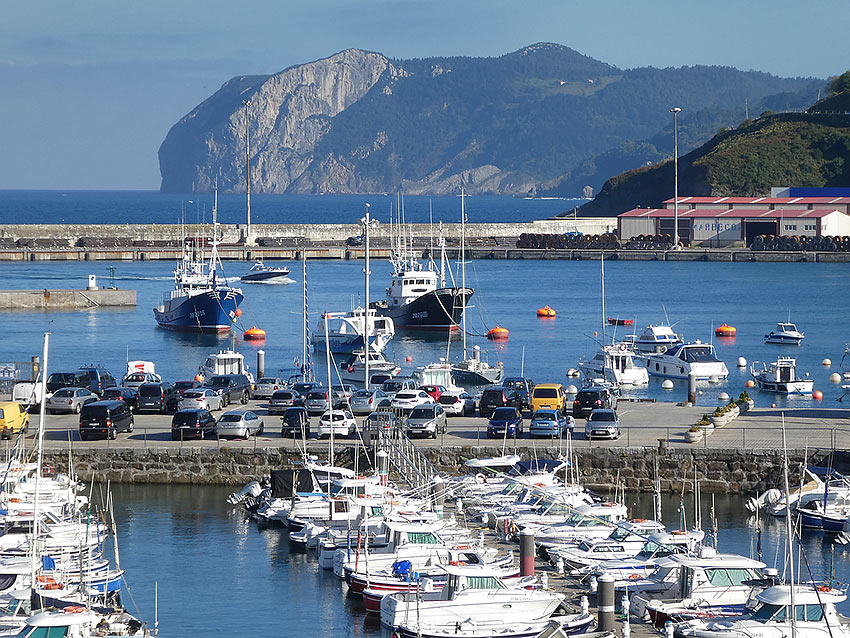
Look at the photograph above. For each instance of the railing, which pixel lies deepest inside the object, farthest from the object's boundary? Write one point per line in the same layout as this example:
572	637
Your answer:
406	458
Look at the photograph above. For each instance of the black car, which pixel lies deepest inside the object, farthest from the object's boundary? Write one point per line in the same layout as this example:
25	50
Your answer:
295	422
192	424
99	378
498	396
158	397
282	400
592	398
59	380
233	387
303	388
523	386
105	419
130	396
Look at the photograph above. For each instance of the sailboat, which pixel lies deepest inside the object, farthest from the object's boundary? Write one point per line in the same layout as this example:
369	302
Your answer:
472	370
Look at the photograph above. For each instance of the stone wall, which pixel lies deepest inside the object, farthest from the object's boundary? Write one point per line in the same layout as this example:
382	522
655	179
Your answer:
730	471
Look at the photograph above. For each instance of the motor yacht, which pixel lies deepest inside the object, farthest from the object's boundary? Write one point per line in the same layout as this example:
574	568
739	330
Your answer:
616	364
657	339
780	377
785	333
680	361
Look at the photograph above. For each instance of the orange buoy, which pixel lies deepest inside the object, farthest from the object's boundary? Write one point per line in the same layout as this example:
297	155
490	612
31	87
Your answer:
725	331
750	384
817	395
546	311
254	334
498	334
238	312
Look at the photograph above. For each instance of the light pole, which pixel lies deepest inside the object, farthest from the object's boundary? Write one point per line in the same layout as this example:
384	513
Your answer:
367	326
675	111
247	103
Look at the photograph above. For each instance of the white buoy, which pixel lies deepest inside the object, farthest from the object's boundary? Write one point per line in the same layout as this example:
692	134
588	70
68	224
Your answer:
571	389
827	362
699	392
723	397
835	377
714	379
667	384
742	363
572	372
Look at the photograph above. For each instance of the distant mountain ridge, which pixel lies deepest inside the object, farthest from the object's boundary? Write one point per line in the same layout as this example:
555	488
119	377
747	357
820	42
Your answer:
542	120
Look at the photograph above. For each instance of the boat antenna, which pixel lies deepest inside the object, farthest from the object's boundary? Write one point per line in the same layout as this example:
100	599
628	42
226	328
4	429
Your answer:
431	230
463	266
789	531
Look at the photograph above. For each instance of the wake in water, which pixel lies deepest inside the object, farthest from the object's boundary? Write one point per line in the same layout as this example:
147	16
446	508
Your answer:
282	281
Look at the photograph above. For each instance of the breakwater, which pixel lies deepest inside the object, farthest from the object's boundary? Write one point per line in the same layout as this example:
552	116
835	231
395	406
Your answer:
62	299
719	471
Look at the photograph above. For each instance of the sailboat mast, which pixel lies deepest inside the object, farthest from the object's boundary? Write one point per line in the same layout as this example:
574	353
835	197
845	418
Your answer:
304	328
463	267
367	328
330	381
36	513
247	103
604	319
789	532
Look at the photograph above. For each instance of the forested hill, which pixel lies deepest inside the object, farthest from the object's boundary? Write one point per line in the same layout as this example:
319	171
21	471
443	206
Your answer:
544	119
806	149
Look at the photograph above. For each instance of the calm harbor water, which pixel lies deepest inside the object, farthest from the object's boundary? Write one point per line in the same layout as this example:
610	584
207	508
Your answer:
218	574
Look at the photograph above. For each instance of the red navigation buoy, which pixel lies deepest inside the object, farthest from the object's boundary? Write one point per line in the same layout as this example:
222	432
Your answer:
254	334
498	334
408	358
817	395
238	312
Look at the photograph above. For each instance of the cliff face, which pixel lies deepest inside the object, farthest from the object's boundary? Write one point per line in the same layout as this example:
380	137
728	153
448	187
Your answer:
542	119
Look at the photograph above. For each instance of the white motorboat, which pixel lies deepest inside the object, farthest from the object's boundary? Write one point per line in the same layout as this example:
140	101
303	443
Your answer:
439	373
835	488
353	369
657	339
261	273
552	627
680	361
476	371
346	330
472	592
785	333
616	364
780	377
625	541
224	362
658	547
565	519
814	612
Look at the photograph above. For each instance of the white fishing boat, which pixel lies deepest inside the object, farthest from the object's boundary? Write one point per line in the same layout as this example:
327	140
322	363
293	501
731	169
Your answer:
680	361
780	377
657	339
616	364
785	333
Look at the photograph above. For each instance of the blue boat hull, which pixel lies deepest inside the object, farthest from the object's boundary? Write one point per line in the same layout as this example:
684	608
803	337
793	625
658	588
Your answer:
210	311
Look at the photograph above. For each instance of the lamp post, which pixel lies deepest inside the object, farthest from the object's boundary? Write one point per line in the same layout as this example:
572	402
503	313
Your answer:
675	111
367	326
247	103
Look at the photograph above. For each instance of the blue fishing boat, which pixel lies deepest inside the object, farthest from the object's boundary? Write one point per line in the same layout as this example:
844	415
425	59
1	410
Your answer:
200	301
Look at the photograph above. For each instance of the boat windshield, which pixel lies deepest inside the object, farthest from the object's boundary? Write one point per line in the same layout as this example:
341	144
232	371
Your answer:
649	550
574	520
619	534
779	613
585	546
697	354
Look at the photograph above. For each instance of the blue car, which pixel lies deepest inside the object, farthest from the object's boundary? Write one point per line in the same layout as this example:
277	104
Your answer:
550	423
505	422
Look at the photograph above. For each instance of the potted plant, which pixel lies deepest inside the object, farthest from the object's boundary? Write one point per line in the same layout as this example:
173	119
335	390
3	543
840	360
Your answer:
745	403
720	416
705	424
732	410
694	434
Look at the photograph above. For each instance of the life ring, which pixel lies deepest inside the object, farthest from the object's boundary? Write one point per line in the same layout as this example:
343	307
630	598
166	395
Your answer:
623	347
824	588
634	576
76	609
640	520
52	586
679	532
461	546
47	579
457	562
609	504
480	478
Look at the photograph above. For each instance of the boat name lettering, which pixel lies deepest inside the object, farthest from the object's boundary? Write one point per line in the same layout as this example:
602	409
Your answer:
420	315
195	315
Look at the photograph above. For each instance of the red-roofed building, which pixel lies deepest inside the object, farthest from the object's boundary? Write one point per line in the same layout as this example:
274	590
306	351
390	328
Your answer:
785	203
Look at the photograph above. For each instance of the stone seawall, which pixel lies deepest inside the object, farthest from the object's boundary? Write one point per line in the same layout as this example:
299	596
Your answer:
719	471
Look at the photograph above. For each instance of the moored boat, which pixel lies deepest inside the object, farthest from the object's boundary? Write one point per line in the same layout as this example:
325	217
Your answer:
781	377
679	362
785	333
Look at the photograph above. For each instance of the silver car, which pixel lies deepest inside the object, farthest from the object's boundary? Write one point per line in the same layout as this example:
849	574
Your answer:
602	423
201	399
428	419
267	386
137	379
316	401
238	424
69	400
366	401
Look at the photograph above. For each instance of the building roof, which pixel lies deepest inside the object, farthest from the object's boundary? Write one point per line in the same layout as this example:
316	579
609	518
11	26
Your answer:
734	213
774	201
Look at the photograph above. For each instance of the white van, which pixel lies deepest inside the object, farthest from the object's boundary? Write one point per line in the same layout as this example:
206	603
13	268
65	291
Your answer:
30	394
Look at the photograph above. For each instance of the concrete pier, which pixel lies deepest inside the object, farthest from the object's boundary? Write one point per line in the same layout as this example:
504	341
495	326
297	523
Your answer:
63	299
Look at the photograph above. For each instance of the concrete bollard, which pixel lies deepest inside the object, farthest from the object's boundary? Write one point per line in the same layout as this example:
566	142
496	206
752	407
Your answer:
605	603
526	553
261	363
692	388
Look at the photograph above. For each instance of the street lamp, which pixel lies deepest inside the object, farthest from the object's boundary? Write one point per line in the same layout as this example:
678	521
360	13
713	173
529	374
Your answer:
368	224
675	111
247	103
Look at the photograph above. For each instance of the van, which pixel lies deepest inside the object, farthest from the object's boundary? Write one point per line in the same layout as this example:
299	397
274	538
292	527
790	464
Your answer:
498	396
398	384
549	395
13	419
105	419
27	393
157	397
59	380
99	379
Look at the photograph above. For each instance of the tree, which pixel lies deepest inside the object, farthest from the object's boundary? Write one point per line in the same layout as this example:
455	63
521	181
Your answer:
839	83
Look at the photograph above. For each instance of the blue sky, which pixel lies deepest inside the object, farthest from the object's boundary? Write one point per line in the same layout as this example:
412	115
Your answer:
88	90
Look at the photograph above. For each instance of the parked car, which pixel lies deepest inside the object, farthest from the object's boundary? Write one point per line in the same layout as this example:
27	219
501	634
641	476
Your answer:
549	395
130	396
157	397
592	398
59	380
69	400
498	396
602	423
505	421
28	393
233	387
458	403
433	391
342	393
282	400
397	384
201	399
182	386
14	418
238	424
316	401
381	420
365	401
137	379
303	387
523	386
192	423
99	378
406	400
295	422
428	419
341	421
267	386
105	419
550	423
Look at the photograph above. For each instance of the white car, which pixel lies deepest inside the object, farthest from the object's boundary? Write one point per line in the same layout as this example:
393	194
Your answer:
457	403
406	400
137	379
342	422
201	399
267	386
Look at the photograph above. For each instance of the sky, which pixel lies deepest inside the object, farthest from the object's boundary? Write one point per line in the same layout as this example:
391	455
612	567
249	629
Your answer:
88	90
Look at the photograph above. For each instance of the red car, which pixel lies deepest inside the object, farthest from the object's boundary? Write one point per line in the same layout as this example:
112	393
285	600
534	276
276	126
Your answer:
433	391
182	386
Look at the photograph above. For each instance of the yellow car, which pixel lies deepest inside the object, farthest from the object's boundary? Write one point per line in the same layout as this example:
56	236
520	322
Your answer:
548	395
13	419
